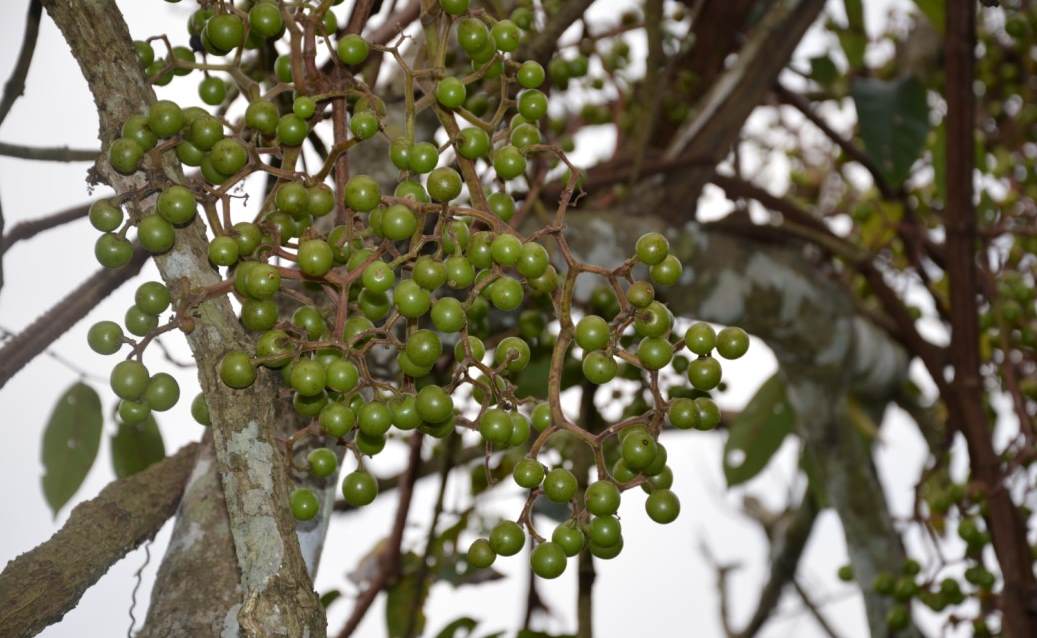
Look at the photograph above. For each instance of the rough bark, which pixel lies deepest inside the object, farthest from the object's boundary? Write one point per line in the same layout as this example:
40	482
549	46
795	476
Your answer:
39	587
278	597
719	116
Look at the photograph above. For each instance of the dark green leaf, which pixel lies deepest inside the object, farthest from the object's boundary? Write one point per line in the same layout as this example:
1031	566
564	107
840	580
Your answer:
404	602
935	11
70	444
823	70
464	623
854	45
757	432
894	123
329	597
854	14
135	447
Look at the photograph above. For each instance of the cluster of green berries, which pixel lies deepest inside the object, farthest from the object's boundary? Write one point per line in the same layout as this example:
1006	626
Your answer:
328	278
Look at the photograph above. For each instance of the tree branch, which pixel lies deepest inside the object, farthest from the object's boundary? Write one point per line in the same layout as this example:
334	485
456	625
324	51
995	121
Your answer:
967	414
15	85
278	597
28	229
41	585
54	154
37	336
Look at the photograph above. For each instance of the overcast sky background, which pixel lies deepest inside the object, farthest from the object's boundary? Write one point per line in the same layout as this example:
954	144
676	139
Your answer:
660	585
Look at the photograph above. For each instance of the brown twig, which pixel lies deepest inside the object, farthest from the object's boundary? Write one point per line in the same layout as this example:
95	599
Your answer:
15	85
967	396
390	562
25	230
35	338
52	154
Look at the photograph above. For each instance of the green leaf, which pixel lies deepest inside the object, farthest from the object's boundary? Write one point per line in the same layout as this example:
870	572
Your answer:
854	45
935	11
894	123
757	432
135	447
70	443
404	602
823	70
464	623
854	14
329	597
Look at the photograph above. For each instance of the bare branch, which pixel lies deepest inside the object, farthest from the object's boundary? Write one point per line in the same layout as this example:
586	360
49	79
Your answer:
15	85
27	229
41	585
38	335
54	154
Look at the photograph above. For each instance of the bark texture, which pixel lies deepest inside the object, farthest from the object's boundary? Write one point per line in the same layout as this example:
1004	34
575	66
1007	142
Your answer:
277	593
39	587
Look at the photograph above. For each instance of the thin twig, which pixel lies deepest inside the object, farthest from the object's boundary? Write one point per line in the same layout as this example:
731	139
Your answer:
15	85
30	228
49	154
391	556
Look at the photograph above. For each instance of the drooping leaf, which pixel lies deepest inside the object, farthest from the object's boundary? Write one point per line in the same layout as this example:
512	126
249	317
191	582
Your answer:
894	123
463	626
757	432
135	447
404	602
854	14
823	70
935	11
70	443
329	597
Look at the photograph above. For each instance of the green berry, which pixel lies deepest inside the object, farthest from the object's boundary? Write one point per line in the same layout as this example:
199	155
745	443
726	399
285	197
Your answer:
560	485
304	503
662	506
480	554
237	370
105	337
548	560
602	498
507	538
359	488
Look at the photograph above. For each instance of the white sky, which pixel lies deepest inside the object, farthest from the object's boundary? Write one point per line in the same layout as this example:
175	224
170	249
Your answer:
681	592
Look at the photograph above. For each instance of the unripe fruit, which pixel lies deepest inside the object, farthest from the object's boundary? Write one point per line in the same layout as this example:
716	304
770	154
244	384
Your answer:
236	370
304	503
548	560
359	488
507	538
